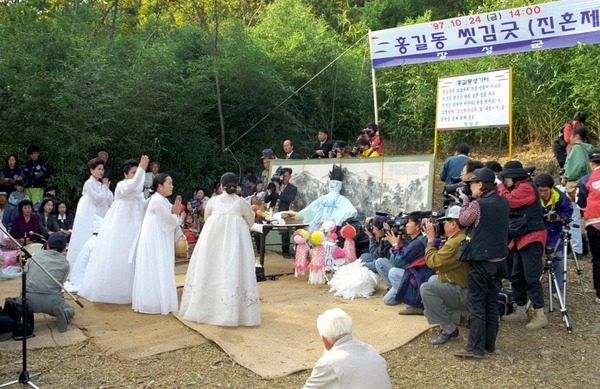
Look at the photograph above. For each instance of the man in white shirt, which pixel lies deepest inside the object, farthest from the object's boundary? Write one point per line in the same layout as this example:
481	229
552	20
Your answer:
347	363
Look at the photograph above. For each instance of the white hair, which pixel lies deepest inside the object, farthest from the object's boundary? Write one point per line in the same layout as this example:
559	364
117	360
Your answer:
334	324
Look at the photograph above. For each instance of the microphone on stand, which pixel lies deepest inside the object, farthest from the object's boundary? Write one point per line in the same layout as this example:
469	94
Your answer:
39	236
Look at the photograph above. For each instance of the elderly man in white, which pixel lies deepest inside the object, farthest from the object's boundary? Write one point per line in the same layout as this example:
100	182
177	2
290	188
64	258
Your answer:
346	363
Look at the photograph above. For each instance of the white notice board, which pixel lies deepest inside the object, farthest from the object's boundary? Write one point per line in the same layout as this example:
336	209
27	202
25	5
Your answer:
474	100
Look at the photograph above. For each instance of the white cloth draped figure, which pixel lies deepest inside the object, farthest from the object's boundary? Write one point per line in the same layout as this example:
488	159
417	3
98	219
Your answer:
109	276
332	206
95	201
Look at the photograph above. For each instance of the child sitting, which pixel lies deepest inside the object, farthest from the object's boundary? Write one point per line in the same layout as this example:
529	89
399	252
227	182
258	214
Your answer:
18	195
190	229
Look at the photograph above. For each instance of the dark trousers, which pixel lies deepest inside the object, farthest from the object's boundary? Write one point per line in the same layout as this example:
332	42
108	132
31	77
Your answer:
285	242
593	235
484	282
527	269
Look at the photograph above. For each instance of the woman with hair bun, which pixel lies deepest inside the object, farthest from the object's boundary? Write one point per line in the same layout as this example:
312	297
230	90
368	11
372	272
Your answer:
154	289
95	200
220	286
109	274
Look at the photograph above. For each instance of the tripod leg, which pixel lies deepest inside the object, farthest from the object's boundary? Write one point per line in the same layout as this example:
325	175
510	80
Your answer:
563	308
579	275
547	270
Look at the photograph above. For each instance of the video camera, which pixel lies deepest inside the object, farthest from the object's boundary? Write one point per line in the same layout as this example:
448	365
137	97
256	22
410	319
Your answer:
276	178
454	188
355	151
396	223
433	216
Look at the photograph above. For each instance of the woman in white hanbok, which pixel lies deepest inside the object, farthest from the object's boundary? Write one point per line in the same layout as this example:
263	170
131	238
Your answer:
220	286
154	289
109	276
95	201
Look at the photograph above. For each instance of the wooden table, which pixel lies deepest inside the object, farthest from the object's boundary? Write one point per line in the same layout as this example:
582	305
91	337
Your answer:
266	228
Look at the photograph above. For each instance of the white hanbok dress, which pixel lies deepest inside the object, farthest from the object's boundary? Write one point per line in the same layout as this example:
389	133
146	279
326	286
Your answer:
95	201
109	276
220	286
154	289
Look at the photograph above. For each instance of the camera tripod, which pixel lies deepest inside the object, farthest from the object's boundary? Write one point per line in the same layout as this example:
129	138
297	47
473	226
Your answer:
551	258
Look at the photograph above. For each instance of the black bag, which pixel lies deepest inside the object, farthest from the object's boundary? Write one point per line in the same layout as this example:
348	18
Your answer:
560	148
517	226
7	324
506	302
464	250
13	307
260	274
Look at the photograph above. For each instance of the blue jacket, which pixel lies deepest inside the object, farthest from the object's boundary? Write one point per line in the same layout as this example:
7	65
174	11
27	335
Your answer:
561	204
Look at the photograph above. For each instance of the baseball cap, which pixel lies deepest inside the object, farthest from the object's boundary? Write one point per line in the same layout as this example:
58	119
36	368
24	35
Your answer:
268	153
451	213
3	194
57	241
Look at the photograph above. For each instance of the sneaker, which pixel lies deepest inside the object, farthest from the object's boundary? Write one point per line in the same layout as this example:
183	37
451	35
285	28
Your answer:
61	319
444	338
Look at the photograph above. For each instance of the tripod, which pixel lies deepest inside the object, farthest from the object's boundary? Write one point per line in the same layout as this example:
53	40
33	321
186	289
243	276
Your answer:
549	269
565	240
24	373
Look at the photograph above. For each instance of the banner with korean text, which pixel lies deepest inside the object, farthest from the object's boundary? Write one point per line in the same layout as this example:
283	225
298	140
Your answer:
474	100
536	27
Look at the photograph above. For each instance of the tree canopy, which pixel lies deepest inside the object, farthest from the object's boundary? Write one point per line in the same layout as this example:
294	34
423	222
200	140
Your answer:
178	80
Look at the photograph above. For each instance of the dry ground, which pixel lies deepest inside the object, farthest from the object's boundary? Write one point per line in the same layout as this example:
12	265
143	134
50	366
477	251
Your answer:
547	358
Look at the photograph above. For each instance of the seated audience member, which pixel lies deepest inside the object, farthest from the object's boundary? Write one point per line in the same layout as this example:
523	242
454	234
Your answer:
43	294
190	229
18	194
322	147
65	219
48	220
49	193
3	204
25	222
557	207
378	247
406	248
453	165
9	213
445	299
9	173
347	362
249	187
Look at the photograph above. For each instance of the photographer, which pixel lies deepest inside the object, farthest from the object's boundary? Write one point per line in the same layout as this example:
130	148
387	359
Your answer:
280	196
43	294
556	208
339	150
371	134
378	246
445	300
527	239
485	216
362	149
408	245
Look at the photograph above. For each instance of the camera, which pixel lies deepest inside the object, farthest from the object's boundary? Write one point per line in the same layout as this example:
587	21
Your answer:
433	215
277	174
355	151
396	223
367	226
454	188
551	216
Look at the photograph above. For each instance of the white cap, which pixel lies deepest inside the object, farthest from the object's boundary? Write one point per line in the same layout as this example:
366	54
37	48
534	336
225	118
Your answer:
451	213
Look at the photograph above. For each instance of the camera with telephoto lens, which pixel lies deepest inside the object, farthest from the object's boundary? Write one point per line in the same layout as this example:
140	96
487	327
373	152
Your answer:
276	178
454	189
433	216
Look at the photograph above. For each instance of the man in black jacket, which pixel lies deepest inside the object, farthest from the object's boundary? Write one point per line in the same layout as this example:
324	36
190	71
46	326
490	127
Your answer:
280	199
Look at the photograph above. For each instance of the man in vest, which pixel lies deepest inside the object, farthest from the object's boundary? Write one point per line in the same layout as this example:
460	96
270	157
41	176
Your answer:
527	236
588	199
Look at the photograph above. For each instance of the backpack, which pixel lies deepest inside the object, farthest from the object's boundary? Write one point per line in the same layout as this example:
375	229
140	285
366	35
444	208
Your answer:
7	324
560	146
13	307
506	302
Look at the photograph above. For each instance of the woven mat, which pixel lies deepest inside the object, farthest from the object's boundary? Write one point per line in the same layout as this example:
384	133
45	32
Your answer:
287	340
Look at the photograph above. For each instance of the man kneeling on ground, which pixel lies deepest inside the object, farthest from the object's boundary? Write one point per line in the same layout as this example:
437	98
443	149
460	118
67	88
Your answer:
445	300
43	294
347	362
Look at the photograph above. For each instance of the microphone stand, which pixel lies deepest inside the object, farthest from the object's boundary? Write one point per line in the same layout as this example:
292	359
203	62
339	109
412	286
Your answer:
24	373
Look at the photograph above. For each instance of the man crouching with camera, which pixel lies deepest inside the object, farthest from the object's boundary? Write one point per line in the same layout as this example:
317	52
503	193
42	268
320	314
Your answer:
445	301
